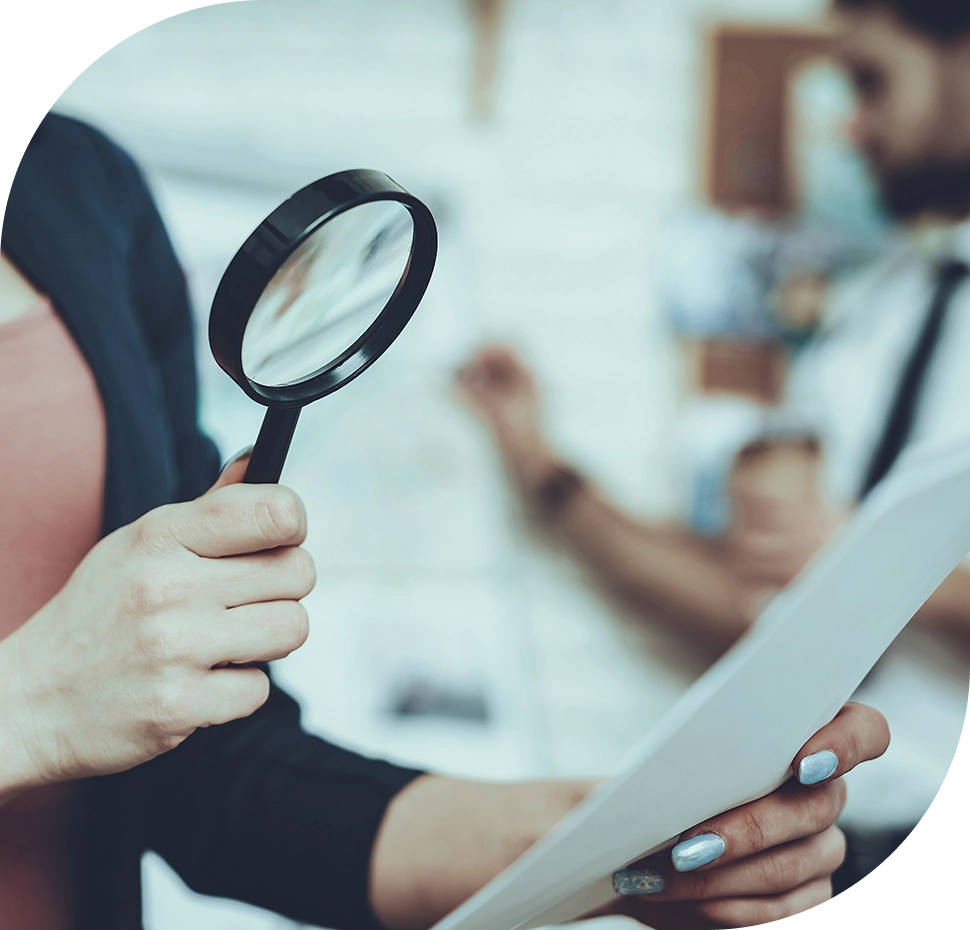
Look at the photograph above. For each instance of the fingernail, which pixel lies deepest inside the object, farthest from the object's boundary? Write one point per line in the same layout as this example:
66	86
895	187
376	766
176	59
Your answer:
697	851
235	458
817	767
638	881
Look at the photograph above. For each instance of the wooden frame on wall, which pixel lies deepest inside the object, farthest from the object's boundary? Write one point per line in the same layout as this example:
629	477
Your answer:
748	166
747	148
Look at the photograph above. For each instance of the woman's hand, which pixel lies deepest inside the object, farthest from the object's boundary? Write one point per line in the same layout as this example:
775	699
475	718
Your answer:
442	839
765	860
132	654
499	387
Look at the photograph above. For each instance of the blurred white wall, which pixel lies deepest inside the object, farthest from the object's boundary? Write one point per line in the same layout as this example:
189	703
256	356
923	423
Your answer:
548	217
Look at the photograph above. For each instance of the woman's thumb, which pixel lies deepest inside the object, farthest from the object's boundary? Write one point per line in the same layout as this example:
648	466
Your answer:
234	469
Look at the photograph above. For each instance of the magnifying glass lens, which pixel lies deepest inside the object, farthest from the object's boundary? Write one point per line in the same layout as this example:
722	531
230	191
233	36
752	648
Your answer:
316	294
328	293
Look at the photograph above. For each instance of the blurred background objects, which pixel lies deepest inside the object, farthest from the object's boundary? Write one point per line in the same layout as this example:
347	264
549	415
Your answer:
649	199
788	207
488	17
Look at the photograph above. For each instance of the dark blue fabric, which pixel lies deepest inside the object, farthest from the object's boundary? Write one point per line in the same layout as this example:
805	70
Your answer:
257	809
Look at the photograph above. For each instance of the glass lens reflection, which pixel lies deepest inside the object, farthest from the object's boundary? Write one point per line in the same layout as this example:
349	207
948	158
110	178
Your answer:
327	294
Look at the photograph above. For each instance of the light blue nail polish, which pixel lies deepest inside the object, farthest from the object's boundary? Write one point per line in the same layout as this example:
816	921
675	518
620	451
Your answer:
817	767
638	881
697	851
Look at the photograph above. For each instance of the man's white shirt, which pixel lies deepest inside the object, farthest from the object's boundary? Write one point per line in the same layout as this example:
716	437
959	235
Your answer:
843	387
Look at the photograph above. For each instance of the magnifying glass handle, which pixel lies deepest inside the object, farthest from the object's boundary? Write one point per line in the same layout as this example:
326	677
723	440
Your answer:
272	444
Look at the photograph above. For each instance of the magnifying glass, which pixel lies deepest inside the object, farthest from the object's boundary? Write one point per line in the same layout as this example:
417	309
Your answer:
316	294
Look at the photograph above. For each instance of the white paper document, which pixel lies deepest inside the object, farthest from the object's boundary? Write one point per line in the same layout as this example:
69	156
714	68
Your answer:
732	737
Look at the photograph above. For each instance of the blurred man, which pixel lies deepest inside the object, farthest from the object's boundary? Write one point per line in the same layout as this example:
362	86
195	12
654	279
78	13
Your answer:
889	368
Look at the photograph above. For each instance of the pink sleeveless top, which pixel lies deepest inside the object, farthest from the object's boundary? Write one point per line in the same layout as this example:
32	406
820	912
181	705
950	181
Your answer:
52	462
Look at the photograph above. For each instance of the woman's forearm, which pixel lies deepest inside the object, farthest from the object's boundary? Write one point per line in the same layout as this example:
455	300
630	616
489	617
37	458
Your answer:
444	838
16	769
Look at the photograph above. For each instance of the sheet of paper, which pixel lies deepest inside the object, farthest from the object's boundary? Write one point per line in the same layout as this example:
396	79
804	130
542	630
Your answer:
733	735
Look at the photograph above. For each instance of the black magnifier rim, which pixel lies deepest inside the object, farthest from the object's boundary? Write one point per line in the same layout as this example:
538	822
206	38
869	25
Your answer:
272	243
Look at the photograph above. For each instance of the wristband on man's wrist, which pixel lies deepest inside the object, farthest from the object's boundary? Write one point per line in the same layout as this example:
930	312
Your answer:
548	499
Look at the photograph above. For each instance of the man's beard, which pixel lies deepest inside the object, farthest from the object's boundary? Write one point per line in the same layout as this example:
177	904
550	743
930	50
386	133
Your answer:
940	189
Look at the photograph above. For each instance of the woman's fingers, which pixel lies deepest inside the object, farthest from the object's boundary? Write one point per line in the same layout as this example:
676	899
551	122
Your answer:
232	520
773	857
659	914
790	813
857	734
230	693
278	575
234	470
744	911
256	633
743	835
773	872
748	912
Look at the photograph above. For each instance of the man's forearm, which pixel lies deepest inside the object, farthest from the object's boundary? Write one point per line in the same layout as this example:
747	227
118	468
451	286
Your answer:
663	570
948	609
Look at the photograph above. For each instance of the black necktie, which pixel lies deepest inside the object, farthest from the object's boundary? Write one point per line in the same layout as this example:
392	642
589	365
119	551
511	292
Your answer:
899	424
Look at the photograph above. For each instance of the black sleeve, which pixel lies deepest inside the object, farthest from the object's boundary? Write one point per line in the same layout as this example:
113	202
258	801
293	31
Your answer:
160	296
256	810
259	811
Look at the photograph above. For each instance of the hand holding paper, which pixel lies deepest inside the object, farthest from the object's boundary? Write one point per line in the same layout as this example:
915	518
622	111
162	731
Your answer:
443	838
805	656
765	860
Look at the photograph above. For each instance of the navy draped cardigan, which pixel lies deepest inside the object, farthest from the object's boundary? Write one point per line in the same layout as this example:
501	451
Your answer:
257	809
